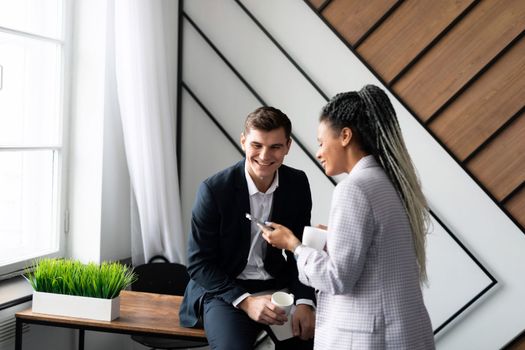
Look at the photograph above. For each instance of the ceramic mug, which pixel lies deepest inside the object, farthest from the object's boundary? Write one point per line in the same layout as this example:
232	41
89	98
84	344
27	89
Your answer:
314	237
283	300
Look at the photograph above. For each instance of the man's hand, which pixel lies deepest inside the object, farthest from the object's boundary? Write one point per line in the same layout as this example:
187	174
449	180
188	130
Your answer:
303	322
261	309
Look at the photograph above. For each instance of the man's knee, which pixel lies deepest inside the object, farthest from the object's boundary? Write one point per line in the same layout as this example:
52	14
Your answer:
228	328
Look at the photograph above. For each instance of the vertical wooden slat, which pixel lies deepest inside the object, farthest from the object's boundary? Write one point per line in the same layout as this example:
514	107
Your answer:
485	106
407	32
486	31
501	165
353	18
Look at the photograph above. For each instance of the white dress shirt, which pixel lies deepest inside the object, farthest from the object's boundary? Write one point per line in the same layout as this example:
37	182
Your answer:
261	208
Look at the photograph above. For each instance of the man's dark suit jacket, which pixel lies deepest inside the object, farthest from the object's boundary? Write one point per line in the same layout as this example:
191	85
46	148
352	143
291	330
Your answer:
220	237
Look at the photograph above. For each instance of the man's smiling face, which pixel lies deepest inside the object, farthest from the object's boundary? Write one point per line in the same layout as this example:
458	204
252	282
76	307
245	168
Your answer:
265	152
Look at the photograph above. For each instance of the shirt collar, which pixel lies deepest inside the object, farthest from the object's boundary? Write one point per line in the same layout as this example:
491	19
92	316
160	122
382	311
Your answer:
252	189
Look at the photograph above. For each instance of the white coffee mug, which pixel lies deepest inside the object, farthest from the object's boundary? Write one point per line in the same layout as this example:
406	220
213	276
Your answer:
314	237
283	300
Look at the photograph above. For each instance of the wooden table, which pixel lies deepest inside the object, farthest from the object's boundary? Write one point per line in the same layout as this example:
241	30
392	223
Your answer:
140	314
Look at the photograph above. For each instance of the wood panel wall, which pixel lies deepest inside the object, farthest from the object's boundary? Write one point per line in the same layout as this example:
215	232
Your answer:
459	67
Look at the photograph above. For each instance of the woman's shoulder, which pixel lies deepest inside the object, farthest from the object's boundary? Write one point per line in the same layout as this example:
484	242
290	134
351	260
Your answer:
365	182
364	177
350	187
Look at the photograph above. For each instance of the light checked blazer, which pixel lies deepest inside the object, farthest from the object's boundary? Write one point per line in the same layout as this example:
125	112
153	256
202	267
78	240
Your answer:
369	292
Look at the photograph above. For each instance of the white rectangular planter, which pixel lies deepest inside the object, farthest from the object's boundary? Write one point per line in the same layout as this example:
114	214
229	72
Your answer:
76	306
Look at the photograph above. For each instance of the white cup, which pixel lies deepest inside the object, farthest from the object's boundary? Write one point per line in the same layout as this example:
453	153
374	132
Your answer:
314	237
283	300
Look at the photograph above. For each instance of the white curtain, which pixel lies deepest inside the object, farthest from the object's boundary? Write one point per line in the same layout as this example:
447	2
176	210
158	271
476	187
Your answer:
145	38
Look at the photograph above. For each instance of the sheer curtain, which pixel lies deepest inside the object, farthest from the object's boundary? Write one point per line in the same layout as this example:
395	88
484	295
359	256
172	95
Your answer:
145	35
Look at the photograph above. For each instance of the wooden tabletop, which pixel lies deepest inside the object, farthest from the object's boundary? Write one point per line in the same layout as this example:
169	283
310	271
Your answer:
139	312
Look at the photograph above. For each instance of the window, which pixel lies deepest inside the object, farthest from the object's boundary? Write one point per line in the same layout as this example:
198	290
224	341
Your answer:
32	70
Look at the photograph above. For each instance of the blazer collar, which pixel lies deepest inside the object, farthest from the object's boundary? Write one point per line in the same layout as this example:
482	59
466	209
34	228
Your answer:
240	180
365	162
243	198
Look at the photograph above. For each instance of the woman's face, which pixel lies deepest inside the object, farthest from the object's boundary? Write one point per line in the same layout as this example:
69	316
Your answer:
331	153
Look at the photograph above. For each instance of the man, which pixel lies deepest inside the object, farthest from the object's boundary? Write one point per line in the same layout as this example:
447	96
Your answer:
233	270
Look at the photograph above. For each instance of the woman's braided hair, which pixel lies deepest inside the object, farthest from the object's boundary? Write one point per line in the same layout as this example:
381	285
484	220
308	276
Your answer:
370	115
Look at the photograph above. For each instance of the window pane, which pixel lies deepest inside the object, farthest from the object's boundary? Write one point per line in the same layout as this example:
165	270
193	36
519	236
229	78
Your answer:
27	213
30	91
34	16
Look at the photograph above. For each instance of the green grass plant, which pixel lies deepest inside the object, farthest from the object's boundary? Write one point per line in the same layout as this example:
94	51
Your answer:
71	277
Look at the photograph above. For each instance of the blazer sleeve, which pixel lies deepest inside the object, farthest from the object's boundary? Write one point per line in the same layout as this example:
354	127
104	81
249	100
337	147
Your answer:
203	249
351	232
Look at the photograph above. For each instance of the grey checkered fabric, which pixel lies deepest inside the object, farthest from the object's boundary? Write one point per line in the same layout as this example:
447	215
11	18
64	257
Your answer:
369	296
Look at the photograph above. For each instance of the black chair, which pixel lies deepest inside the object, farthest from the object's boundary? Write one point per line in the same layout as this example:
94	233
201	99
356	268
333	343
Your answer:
163	278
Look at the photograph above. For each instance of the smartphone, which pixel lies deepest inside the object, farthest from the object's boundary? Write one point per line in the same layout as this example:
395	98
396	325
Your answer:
259	221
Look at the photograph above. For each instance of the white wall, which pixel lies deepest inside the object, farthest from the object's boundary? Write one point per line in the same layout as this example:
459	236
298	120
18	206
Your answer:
463	207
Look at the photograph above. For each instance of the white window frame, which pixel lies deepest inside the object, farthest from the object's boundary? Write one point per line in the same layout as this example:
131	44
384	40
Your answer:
61	214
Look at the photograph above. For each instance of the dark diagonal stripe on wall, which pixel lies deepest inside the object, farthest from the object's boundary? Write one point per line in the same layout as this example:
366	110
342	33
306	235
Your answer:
213	119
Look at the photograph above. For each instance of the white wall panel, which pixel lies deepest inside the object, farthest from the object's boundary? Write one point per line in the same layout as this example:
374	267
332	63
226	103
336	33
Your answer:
215	84
453	281
311	44
205	151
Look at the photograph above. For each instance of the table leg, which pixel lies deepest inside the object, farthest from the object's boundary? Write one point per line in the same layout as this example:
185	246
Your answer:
18	334
80	339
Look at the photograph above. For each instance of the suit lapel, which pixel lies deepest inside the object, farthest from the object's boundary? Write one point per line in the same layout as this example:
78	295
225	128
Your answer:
243	200
278	211
279	199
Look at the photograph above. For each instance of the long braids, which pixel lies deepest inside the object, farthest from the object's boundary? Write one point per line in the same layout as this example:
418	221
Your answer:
370	113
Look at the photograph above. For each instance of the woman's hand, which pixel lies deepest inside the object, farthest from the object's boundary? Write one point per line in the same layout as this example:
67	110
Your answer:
280	237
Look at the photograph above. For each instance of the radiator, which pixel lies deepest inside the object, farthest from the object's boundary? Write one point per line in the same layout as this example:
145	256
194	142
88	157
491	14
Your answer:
7	326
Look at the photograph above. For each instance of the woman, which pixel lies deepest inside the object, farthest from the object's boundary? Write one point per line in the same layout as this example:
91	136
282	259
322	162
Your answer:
369	275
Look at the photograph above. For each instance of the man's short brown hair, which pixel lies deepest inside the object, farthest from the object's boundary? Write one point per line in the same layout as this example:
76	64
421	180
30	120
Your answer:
268	119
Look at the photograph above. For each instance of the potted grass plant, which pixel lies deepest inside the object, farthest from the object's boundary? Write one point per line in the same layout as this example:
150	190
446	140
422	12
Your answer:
70	288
